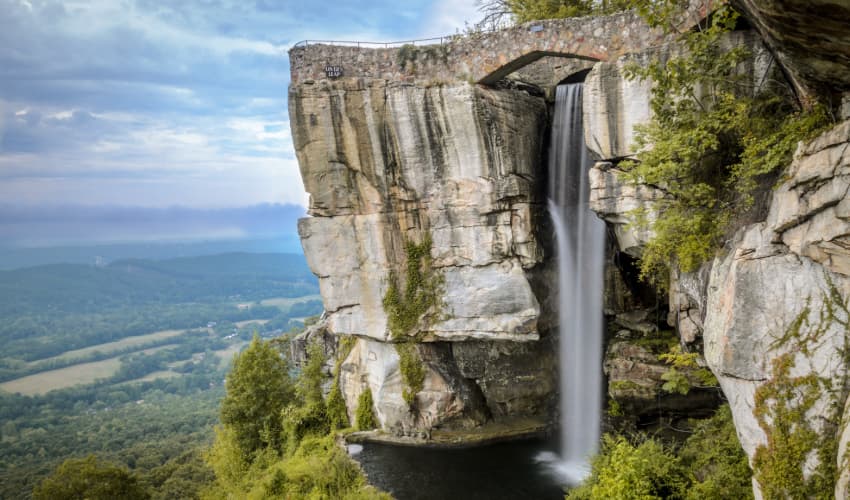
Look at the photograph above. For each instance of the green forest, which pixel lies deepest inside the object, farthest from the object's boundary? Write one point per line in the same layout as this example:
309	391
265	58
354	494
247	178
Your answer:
149	343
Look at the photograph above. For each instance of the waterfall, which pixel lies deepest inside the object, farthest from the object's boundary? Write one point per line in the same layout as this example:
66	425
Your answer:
580	238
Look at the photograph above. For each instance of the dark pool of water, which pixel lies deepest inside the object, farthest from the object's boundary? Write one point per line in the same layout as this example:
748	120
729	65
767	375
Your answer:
493	472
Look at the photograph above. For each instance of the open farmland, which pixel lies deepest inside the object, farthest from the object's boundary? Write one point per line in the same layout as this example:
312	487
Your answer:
111	347
83	373
287	302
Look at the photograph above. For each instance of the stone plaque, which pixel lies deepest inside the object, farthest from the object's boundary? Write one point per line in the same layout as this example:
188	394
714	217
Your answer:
333	71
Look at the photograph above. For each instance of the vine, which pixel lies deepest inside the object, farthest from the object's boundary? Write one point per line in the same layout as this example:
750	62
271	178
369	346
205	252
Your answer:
782	405
405	311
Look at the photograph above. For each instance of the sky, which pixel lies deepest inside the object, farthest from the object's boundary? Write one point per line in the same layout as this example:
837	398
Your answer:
157	103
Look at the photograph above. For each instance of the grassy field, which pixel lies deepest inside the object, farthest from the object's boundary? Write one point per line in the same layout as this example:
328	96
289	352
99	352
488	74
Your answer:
226	355
118	345
286	303
61	378
83	373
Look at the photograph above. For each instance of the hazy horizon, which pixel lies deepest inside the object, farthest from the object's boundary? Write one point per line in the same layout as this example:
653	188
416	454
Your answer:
149	103
80	225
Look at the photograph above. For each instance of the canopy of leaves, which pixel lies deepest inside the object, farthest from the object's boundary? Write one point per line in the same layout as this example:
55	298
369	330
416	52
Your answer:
710	464
309	464
715	137
530	10
90	479
258	387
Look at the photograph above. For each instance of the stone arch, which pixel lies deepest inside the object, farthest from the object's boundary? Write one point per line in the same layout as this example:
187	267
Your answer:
523	61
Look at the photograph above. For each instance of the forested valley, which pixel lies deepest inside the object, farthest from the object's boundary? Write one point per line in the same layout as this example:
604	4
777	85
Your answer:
126	361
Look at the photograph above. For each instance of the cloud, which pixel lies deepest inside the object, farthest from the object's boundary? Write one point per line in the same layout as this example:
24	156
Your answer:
448	17
156	103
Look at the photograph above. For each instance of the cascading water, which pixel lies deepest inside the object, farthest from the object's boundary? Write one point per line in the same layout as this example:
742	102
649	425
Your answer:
580	237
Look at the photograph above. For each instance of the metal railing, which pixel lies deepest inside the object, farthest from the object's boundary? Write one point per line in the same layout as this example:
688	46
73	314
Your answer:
421	41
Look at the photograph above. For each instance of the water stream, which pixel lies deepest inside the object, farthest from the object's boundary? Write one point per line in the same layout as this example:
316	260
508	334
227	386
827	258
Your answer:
513	470
580	237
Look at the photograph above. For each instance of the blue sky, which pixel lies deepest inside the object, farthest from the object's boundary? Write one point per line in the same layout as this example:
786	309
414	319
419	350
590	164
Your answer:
156	103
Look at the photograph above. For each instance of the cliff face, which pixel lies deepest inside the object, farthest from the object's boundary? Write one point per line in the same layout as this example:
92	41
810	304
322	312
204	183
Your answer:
772	309
391	165
438	183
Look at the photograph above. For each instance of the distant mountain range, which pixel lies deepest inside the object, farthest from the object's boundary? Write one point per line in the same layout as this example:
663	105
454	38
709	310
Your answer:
32	236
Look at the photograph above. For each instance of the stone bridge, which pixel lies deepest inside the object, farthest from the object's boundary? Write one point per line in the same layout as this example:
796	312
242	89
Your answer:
486	57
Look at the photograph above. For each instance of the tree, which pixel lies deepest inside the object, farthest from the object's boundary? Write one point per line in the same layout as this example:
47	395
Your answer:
258	387
496	11
90	479
365	417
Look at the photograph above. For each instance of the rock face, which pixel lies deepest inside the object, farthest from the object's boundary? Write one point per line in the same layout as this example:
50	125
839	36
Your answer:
618	201
773	309
453	170
615	104
399	163
810	38
388	165
778	294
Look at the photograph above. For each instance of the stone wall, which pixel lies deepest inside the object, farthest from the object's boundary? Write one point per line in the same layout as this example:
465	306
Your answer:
486	57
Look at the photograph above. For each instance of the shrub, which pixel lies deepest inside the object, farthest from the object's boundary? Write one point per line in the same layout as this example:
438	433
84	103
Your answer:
713	139
421	290
365	417
626	471
337	412
412	371
710	464
717	464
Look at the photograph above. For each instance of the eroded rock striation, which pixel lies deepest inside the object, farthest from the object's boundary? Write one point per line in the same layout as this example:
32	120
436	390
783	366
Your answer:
428	230
391	165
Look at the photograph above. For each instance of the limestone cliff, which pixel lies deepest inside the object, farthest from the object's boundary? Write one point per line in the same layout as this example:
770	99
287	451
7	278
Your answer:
390	165
771	311
437	182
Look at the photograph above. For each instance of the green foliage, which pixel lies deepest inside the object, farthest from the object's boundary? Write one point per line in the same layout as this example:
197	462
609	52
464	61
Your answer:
412	370
710	464
90	479
307	415
365	416
712	141
336	409
718	466
258	386
337	413
531	10
781	405
319	469
627	471
48	310
614	408
406	311
311	464
40	432
421	291
681	382
181	477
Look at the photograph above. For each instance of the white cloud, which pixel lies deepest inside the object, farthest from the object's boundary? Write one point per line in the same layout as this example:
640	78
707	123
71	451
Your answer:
450	16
